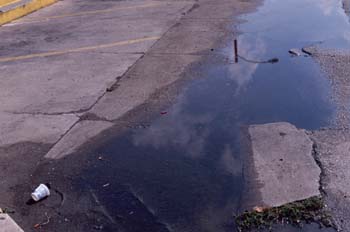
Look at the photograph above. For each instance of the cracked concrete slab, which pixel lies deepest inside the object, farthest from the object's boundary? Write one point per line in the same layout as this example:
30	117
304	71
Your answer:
77	136
16	128
7	224
284	164
165	62
41	93
72	82
67	83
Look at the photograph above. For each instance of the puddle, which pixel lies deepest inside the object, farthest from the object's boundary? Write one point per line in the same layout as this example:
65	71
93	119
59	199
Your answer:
300	23
184	172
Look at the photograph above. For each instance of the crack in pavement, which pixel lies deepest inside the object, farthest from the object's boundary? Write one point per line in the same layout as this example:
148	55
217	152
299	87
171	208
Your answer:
320	165
116	84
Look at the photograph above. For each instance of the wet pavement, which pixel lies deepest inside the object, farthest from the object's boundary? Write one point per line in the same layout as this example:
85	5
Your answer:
183	169
305	228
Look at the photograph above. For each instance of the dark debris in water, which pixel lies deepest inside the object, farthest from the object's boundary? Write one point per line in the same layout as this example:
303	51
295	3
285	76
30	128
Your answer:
269	61
297	213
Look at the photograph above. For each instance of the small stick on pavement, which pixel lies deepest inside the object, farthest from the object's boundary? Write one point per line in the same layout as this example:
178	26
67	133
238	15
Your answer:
236	51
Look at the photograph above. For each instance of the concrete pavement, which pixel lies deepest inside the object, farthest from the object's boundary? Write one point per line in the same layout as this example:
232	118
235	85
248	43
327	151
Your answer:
332	150
333	143
8	225
77	68
72	71
284	169
61	61
57	63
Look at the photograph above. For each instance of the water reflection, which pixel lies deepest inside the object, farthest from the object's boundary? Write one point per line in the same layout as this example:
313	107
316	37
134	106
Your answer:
187	167
178	128
328	7
252	47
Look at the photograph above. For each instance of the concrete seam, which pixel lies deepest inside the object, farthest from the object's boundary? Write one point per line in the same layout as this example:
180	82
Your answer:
64	134
93	117
118	79
40	113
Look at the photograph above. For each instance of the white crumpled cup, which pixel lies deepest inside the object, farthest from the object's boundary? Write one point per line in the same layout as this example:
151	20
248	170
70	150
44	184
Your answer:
40	192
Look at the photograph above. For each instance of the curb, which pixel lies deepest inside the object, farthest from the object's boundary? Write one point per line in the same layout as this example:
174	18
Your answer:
22	10
7	2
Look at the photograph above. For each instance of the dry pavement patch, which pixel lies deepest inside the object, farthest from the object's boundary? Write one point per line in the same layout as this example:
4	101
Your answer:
16	128
285	169
7	224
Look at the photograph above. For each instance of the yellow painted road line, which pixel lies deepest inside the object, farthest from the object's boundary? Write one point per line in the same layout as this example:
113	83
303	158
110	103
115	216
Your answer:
4	2
39	19
7	2
82	49
20	11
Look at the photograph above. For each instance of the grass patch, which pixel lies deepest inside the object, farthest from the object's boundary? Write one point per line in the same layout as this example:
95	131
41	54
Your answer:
296	213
